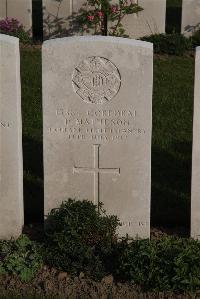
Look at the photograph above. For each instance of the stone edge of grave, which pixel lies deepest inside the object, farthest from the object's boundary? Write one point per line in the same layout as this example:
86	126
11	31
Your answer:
94	38
197	49
9	38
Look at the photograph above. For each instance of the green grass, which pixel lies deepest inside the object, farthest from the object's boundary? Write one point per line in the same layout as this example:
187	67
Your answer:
172	140
37	11
32	134
174	3
171	144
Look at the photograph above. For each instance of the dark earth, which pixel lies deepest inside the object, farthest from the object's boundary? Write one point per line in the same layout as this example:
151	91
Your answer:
54	284
51	283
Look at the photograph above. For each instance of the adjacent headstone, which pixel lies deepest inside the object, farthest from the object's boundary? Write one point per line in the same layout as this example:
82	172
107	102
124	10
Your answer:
97	107
195	200
11	175
58	17
18	9
2	8
151	20
190	16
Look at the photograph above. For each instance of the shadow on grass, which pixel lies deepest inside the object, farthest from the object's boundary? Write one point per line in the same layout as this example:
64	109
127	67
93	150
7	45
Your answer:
171	186
33	180
37	20
173	16
171	183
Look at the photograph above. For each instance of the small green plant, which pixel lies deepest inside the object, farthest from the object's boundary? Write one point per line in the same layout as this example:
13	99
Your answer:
80	239
21	257
13	27
195	38
172	44
101	17
167	264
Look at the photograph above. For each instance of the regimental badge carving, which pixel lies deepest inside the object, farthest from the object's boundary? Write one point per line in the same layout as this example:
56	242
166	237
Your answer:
96	80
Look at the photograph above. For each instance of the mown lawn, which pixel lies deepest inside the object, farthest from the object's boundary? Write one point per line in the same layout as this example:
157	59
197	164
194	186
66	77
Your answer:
172	140
171	143
32	134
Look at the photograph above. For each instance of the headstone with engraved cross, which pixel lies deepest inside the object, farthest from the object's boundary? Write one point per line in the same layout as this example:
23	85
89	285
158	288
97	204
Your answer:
97	97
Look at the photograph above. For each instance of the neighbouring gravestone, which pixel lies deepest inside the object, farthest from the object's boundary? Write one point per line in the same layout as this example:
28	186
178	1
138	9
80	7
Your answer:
2	8
11	174
195	200
190	16
97	107
18	9
59	16
151	20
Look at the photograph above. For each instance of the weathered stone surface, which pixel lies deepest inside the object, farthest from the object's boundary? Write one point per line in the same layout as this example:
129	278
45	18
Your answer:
97	97
151	20
11	175
58	17
2	8
190	16
195	200
18	9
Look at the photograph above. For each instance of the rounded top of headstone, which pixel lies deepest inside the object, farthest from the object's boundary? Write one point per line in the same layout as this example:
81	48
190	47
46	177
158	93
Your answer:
8	38
94	38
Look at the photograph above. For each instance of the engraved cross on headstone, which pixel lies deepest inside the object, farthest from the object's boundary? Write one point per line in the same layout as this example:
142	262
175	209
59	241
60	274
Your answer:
96	171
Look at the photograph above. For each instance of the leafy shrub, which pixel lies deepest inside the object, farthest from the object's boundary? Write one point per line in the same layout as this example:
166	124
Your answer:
11	26
163	265
80	239
20	257
195	38
104	17
172	44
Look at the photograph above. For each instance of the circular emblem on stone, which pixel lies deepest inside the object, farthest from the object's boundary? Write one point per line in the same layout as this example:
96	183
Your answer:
96	80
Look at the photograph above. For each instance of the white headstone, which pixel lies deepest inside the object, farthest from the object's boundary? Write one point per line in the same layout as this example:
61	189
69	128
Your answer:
2	8
195	200
11	174
190	16
151	20
97	106
18	9
57	17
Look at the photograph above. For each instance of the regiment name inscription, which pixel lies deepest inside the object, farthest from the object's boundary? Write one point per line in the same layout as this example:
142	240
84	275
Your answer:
100	125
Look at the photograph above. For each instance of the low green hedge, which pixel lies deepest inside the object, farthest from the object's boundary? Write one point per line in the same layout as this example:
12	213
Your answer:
13	27
79	238
172	44
195	38
167	264
21	257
